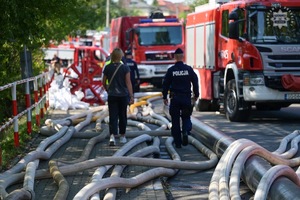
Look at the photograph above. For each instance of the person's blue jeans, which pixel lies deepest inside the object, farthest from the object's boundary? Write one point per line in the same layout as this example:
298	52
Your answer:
117	114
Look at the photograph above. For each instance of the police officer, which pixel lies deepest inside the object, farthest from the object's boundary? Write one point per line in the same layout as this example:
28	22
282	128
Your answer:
178	81
134	71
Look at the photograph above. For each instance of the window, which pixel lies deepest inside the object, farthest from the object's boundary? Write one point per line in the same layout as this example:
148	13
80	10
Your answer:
160	35
267	25
241	22
225	23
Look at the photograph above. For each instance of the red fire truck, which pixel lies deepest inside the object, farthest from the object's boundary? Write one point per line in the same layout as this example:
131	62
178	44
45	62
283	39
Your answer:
246	54
152	42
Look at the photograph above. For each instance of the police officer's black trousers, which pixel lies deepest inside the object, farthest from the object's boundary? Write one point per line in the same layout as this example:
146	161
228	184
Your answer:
180	108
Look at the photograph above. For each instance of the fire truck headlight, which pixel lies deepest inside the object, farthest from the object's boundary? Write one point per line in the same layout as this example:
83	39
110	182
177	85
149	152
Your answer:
254	80
257	80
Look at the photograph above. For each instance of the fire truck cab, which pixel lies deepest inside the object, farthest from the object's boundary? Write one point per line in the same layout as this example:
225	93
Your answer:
152	41
246	55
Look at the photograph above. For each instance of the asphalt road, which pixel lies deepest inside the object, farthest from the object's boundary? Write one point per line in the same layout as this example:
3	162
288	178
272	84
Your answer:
261	127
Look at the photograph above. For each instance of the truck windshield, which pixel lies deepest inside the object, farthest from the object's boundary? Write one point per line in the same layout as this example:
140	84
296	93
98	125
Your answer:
159	35
274	25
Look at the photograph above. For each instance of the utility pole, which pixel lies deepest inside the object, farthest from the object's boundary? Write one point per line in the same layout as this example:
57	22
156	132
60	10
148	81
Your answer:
26	63
107	13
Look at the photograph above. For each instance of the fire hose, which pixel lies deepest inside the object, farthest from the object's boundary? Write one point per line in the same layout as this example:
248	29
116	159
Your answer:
254	169
243	151
80	126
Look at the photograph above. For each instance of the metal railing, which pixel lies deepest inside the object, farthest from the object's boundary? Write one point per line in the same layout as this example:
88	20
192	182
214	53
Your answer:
40	98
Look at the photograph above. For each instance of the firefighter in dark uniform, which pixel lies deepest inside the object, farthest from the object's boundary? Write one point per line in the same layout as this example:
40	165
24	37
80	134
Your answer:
177	81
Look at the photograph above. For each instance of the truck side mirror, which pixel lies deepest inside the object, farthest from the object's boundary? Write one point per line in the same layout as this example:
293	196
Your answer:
234	30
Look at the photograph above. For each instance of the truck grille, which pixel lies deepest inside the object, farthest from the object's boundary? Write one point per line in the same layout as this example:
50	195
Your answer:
277	63
284	61
284	57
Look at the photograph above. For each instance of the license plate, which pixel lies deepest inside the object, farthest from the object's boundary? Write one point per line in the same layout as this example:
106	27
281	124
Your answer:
292	96
161	68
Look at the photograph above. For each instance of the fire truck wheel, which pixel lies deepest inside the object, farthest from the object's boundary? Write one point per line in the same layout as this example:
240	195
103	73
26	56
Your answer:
231	104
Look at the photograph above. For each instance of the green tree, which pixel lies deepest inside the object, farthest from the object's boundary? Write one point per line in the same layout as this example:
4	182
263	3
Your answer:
155	3
195	3
93	15
31	24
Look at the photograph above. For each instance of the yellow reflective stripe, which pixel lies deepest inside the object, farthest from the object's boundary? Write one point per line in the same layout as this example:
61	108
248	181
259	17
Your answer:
107	62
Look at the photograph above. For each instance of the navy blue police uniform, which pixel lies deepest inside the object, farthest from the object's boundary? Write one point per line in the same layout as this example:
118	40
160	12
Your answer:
134	73
178	80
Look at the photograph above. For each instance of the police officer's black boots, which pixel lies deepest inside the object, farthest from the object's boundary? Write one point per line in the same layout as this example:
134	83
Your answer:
185	140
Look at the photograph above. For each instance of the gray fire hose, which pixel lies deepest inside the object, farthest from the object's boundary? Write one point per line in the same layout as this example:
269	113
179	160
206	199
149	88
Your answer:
255	167
258	174
111	193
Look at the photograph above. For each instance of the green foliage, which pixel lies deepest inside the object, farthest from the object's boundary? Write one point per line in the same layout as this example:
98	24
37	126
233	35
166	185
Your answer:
195	3
182	15
31	25
155	3
35	23
94	17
